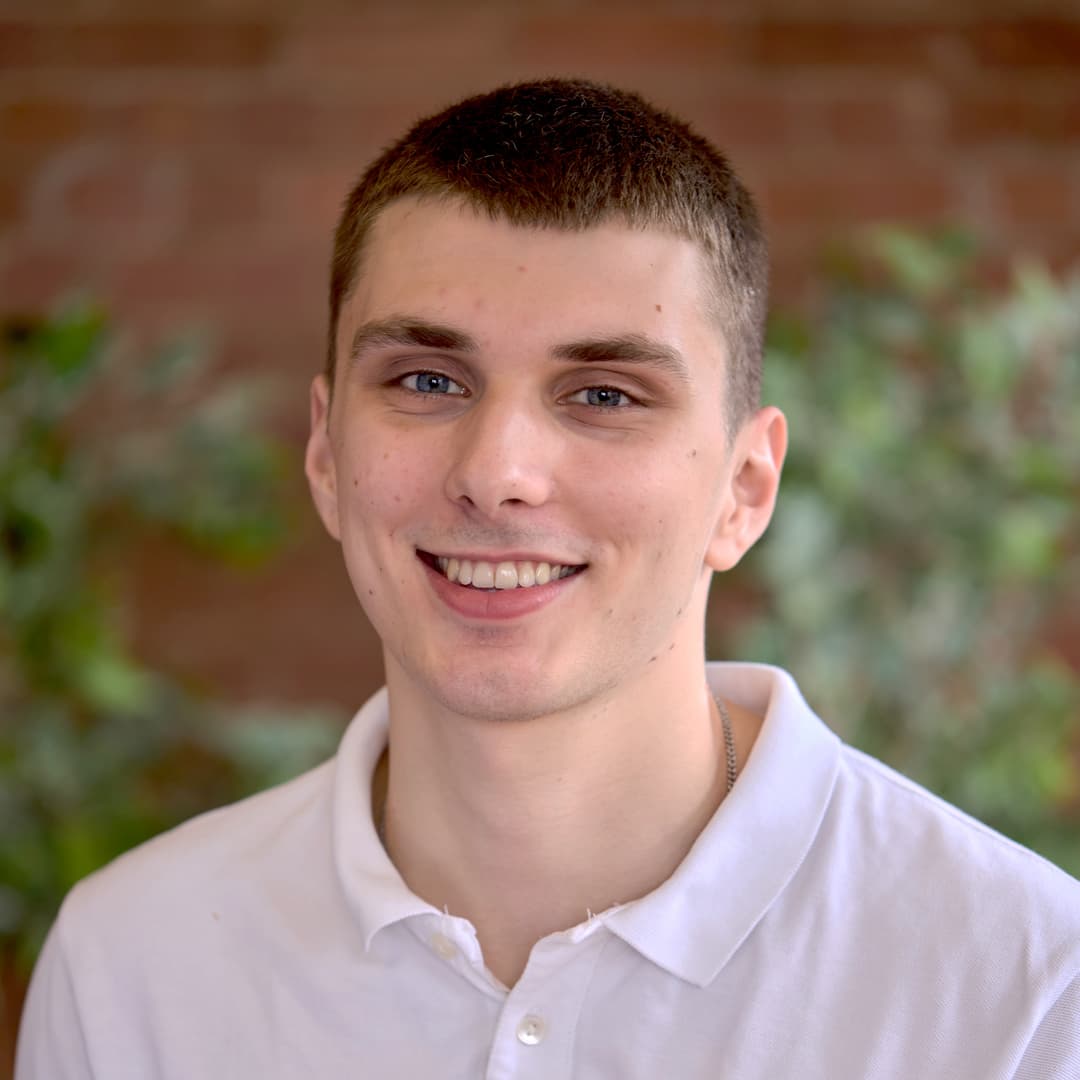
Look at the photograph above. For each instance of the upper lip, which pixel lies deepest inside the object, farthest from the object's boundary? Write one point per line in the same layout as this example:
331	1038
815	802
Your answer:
502	556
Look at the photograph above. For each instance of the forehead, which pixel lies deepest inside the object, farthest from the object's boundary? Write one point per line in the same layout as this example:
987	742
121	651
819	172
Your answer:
442	259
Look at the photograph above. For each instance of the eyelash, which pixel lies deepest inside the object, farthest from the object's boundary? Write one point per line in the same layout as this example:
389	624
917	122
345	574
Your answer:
459	392
626	400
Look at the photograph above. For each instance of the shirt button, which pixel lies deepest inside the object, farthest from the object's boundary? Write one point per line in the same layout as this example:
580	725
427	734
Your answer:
443	946
531	1030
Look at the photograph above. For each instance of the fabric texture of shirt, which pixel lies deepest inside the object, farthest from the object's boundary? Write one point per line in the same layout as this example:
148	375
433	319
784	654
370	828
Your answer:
834	921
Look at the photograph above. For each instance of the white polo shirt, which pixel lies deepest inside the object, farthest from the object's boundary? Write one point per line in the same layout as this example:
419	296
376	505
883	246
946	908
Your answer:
833	922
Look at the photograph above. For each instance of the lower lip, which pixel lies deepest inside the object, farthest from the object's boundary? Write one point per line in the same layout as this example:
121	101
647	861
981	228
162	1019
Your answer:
495	603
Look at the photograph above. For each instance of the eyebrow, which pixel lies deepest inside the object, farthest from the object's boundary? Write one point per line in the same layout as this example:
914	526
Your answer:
626	349
406	331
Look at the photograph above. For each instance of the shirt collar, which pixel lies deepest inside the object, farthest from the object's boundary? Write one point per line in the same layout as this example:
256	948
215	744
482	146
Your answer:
694	921
373	888
754	843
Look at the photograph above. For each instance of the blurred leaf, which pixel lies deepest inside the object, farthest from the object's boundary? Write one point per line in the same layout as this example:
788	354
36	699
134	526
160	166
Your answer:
926	534
98	752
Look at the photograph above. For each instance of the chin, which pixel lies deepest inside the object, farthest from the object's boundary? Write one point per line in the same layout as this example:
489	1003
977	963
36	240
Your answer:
503	695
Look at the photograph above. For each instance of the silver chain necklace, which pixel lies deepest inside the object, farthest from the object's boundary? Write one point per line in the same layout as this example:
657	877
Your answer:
731	764
730	759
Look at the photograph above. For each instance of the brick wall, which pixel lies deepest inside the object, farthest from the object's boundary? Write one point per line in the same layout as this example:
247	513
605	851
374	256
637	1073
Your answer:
186	163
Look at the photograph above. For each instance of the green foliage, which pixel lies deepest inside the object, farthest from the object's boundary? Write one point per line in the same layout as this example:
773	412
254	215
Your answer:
927	530
97	750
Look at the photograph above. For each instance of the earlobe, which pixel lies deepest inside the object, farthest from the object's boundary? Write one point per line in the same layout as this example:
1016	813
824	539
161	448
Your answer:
758	455
319	464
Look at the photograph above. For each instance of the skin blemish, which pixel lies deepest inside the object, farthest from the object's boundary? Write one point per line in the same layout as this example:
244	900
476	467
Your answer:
371	592
659	308
652	659
693	454
521	269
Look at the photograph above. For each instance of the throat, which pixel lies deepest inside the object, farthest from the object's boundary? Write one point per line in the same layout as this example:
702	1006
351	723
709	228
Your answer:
525	864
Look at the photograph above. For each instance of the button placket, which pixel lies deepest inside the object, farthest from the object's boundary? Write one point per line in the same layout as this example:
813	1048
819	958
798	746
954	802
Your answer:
535	1036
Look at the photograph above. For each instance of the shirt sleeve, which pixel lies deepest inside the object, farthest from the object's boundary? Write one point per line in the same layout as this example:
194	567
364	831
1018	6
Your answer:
1054	1050
51	1043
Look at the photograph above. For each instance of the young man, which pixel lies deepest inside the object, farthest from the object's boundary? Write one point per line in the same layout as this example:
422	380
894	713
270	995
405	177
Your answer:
559	843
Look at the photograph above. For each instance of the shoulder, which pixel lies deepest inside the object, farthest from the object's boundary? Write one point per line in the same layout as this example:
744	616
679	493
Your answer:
875	797
940	870
209	864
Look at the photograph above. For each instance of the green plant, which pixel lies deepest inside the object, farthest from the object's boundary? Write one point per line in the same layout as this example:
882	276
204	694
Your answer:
97	750
927	530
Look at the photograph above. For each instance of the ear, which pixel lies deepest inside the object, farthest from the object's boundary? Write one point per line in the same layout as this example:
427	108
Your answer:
757	459
319	464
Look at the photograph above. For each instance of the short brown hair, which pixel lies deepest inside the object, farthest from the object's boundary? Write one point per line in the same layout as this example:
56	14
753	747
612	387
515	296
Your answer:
571	154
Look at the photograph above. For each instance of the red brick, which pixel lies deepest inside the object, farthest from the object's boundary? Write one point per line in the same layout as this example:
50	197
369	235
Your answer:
586	40
1016	115
1026	43
11	200
40	120
223	196
20	168
867	118
1037	195
35	280
254	123
400	48
240	286
846	193
152	119
18	45
137	44
748	115
842	44
107	195
307	198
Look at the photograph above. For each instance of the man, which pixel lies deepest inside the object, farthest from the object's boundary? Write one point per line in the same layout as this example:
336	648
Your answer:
559	844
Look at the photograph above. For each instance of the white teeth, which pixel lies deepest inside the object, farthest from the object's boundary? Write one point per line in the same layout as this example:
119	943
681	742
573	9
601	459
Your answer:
504	575
483	575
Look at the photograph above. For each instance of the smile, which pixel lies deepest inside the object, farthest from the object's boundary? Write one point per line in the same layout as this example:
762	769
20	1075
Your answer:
482	574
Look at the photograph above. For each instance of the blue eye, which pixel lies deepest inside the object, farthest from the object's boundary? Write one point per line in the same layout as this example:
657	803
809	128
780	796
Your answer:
601	397
431	382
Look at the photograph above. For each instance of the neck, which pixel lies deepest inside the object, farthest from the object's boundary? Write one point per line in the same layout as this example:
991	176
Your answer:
524	827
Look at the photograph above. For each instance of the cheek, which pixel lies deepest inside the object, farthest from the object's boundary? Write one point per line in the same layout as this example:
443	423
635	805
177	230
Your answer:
385	482
647	500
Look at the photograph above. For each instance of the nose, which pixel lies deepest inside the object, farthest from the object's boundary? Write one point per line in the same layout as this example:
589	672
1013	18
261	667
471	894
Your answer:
503	454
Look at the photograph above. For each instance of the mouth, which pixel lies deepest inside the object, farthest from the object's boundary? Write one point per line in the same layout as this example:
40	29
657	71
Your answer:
491	576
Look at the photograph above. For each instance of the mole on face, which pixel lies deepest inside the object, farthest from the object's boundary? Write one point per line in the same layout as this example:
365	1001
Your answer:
659	308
